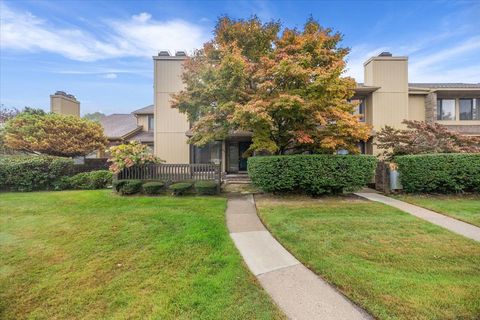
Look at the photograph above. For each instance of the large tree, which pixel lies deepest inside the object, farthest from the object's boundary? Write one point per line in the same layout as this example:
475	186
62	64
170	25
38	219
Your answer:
53	134
287	88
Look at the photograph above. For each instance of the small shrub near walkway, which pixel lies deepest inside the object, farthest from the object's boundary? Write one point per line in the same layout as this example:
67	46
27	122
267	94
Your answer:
440	173
312	174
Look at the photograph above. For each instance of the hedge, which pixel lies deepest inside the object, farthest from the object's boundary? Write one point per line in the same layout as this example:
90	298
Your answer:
313	174
29	173
154	187
180	188
206	187
131	187
90	180
440	173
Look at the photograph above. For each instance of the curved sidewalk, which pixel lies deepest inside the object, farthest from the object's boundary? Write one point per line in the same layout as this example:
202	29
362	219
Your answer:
297	291
454	225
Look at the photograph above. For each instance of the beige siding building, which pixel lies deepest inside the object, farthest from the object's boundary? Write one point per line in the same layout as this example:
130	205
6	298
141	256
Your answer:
386	98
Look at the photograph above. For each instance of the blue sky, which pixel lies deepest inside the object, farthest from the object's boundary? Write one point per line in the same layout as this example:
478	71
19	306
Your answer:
101	51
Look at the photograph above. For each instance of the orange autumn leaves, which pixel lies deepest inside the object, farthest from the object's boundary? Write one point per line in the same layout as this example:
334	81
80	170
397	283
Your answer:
286	88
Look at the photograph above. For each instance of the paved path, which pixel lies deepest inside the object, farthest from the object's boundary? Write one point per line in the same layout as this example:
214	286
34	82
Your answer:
296	290
457	226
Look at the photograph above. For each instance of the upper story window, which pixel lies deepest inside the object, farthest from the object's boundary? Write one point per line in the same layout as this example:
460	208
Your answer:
151	122
446	109
469	109
360	108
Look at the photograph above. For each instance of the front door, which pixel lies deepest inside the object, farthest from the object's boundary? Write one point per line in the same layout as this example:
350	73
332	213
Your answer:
242	162
236	161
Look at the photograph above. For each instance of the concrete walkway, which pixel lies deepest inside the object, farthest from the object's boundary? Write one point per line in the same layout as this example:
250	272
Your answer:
457	226
296	290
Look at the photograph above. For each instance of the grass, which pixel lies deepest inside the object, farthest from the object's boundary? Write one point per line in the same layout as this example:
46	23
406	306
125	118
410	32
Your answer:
392	264
95	255
462	207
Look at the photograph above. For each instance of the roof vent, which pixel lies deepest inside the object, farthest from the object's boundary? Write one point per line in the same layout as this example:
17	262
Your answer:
180	54
164	53
60	93
385	54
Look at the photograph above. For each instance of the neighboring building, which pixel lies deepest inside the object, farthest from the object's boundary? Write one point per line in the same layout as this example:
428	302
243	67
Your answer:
135	126
64	103
386	98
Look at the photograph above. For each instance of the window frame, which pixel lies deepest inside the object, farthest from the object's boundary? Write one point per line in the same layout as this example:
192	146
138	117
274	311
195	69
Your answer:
151	125
440	108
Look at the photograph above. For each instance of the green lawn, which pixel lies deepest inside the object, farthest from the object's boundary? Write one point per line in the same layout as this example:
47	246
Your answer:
392	264
92	255
462	207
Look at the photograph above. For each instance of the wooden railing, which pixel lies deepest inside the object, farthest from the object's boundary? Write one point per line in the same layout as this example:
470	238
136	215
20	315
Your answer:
172	172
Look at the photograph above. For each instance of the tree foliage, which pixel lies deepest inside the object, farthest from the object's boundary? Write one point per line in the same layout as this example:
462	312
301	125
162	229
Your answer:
286	88
422	138
95	116
53	134
130	154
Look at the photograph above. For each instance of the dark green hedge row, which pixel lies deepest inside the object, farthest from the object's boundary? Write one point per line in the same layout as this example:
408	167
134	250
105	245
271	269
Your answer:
129	187
99	179
29	173
313	174
440	173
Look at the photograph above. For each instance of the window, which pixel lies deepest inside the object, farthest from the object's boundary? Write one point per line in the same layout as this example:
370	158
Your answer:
446	109
360	108
150	122
469	109
211	153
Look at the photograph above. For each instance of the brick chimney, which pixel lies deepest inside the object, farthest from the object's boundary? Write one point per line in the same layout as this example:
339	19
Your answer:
64	103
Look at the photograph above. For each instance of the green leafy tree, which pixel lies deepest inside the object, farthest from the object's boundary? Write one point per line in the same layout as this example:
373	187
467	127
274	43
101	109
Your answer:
53	134
286	88
95	116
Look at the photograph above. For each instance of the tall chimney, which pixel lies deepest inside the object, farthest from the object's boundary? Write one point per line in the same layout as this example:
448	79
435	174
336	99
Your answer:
64	103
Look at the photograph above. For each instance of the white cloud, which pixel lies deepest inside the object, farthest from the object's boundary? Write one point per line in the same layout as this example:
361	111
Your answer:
358	55
439	59
139	36
110	76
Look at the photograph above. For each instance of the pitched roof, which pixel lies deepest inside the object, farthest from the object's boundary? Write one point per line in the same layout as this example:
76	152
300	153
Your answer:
445	85
142	136
117	126
145	110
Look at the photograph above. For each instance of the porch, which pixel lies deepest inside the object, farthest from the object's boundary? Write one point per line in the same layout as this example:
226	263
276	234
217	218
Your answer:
228	153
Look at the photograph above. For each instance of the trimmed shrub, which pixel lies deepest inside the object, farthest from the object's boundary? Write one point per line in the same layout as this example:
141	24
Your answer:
131	187
440	173
155	187
313	174
180	188
91	180
118	184
62	184
29	173
206	187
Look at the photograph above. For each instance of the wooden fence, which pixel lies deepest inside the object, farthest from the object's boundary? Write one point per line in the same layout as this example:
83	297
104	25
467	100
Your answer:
172	172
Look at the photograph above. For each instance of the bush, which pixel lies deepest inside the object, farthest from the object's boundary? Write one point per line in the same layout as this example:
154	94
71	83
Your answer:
180	188
29	173
313	174
118	185
91	180
440	173
206	187
131	187
153	188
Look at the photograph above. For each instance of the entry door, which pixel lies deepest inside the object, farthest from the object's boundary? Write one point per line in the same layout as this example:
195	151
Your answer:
242	162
